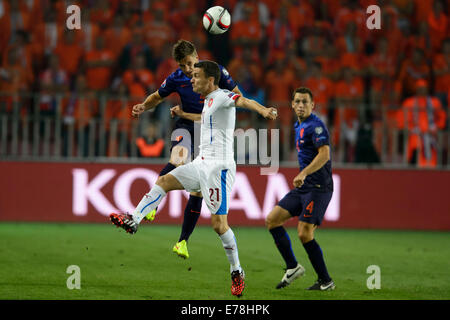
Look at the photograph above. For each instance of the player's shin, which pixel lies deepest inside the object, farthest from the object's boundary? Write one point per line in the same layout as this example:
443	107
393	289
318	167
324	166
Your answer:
148	203
231	250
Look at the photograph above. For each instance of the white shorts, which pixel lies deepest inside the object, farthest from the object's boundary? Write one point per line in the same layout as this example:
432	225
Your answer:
213	179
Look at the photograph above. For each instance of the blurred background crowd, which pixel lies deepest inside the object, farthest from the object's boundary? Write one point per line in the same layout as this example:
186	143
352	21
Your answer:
384	94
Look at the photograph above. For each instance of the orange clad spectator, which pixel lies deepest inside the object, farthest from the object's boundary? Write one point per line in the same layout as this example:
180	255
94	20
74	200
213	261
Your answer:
117	119
322	87
99	63
413	69
301	15
23	49
314	44
420	39
424	117
295	62
350	11
35	9
259	12
150	144
349	41
117	36
246	33
77	110
441	69
248	61
14	79
349	93
19	17
53	81
330	8
329	60
118	108
136	46
279	86
81	106
194	31
280	33
47	34
438	24
158	31
381	66
129	10
102	13
69	52
89	31
421	10
182	13
139	80
405	7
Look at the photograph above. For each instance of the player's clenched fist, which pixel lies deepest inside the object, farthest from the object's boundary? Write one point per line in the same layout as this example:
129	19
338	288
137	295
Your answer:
270	113
175	111
299	180
137	110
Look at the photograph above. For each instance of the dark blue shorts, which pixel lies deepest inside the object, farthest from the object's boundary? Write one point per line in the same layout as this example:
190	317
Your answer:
308	205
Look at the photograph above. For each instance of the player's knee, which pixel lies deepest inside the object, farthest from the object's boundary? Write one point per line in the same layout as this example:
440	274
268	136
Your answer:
219	226
305	234
162	181
274	219
271	221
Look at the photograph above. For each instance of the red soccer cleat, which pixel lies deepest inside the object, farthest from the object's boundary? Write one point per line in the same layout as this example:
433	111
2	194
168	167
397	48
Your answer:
124	221
237	283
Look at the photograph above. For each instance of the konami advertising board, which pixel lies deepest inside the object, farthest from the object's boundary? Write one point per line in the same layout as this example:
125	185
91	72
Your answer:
88	192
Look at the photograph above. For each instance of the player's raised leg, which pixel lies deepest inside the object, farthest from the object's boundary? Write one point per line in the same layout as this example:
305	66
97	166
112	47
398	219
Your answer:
178	156
148	203
274	223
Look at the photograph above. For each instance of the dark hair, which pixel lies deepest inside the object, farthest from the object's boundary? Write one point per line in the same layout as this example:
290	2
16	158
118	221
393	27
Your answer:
210	68
183	48
303	90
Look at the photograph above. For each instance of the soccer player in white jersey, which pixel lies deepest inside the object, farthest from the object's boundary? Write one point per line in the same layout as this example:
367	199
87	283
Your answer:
212	172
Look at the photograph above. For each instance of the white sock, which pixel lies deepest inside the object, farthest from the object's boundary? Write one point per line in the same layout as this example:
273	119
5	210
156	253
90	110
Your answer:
231	250
149	202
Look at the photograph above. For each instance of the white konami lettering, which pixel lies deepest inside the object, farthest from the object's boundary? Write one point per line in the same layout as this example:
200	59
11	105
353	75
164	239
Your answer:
89	190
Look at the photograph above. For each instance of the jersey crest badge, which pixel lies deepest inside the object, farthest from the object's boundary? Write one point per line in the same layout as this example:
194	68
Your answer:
318	130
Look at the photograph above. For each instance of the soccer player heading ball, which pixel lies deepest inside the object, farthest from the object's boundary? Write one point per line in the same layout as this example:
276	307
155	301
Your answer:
213	171
313	188
179	81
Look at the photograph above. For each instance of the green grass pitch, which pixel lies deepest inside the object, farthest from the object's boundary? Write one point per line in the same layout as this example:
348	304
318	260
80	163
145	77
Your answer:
114	265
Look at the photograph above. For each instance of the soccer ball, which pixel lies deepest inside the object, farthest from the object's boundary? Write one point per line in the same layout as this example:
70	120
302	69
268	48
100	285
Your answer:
216	20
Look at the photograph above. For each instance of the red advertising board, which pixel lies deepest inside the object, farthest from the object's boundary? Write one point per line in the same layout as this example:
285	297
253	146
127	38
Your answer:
88	192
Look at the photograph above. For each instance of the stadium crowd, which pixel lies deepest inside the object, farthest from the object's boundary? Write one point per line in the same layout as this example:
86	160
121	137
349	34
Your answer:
360	77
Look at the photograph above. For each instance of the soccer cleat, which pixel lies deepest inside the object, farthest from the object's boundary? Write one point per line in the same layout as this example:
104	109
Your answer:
322	285
151	215
290	275
237	283
124	221
180	248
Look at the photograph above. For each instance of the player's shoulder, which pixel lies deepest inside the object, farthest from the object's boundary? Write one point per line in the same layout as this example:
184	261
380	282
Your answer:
224	71
177	75
315	124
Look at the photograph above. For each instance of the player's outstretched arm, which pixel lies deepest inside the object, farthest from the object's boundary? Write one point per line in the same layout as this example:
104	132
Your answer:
177	111
267	112
151	102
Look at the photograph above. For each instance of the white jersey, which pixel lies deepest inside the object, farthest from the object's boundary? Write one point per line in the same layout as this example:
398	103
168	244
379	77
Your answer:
217	127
